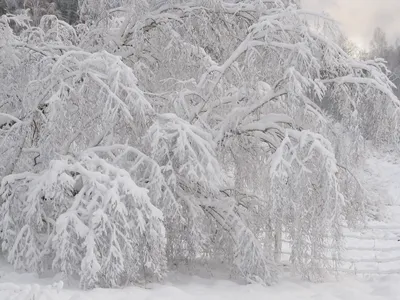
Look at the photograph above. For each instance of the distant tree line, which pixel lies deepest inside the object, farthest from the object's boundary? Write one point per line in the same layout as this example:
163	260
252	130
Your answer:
380	47
67	10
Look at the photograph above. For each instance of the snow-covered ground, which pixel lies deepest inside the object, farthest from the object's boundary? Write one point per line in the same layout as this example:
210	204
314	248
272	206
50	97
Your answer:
193	288
375	250
372	267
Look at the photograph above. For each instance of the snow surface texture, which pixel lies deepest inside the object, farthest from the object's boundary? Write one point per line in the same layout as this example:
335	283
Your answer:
192	288
371	269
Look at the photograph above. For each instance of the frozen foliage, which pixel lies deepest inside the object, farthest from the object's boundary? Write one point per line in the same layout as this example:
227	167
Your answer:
83	217
155	133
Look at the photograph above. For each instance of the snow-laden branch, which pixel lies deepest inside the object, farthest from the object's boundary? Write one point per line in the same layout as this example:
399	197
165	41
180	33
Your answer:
103	222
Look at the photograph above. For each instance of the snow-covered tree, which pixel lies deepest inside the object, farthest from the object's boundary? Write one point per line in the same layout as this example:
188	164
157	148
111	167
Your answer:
215	121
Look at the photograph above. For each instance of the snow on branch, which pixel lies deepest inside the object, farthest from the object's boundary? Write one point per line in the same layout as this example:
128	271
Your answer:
188	152
99	92
147	173
95	221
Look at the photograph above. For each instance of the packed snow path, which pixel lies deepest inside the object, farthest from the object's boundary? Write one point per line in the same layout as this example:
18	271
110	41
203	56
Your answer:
371	270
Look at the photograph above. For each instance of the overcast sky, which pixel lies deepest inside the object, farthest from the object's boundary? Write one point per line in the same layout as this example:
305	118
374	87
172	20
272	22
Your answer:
360	17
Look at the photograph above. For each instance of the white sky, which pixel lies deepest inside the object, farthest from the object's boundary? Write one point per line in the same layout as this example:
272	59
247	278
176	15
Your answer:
360	17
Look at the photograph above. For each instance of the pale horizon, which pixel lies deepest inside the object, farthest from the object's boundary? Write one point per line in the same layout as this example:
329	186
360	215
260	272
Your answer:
359	18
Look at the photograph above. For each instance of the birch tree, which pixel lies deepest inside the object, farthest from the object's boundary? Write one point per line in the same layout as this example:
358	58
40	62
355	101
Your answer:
159	132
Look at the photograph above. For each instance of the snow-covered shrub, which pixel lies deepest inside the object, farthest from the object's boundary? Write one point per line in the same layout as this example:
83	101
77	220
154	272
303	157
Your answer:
85	218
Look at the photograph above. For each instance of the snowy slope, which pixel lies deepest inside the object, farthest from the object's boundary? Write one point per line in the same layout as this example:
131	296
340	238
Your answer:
372	270
375	250
382	173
